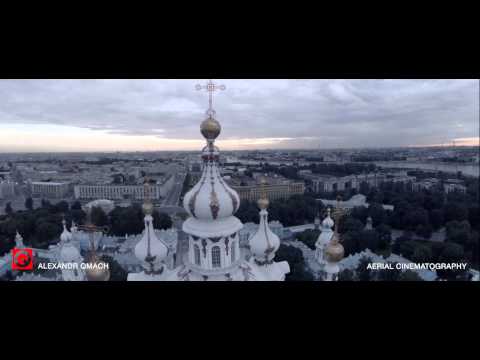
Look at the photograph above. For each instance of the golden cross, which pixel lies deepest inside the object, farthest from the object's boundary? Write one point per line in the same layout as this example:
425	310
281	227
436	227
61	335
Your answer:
211	87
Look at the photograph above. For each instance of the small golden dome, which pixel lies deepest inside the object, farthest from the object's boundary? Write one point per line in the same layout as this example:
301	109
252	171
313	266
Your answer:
334	251
147	208
210	128
263	203
99	271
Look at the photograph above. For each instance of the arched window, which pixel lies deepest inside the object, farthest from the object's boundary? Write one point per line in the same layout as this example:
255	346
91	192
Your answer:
196	253
216	260
232	251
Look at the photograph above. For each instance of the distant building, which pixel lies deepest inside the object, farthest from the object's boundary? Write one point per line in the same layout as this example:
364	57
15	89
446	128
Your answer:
448	188
55	190
273	191
121	192
356	200
327	183
424	184
7	189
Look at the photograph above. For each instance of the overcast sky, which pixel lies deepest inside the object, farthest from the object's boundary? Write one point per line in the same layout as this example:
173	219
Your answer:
116	115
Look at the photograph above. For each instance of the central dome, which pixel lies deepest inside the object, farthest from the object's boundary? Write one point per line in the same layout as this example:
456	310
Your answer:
211	198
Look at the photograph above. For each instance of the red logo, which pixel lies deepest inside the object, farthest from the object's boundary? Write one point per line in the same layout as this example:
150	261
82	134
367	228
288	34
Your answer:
22	259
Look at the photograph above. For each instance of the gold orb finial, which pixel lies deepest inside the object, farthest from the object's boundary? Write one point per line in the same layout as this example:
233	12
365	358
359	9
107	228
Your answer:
334	251
98	271
210	128
147	208
263	203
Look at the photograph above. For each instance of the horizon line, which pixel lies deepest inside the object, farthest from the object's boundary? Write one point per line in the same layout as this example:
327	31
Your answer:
242	150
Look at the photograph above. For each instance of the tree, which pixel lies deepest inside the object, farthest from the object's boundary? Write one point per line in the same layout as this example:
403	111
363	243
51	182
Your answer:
409	275
346	275
424	231
78	216
385	234
294	257
46	232
377	213
7	243
474	216
98	216
8	209
45	204
359	213
309	238
422	254
389	275
76	206
29	203
127	220
349	224
436	218
452	253
458	232
117	272
371	239
351	243
161	220
362	270
63	206
455	211
415	217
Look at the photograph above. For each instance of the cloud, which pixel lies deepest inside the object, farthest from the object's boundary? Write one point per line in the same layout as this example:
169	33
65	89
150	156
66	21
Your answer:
294	113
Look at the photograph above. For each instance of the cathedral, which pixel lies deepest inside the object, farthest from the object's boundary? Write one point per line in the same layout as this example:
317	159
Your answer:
214	252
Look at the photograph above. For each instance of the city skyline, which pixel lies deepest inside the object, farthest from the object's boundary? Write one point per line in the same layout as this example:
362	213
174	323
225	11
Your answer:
156	115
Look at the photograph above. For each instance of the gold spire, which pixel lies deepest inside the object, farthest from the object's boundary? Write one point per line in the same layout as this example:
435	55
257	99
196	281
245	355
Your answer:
98	270
335	251
263	201
147	203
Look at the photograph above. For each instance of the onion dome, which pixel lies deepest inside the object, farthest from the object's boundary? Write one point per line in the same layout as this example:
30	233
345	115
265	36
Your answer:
369	224
211	198
97	269
264	243
328	223
150	250
334	251
19	240
69	253
66	236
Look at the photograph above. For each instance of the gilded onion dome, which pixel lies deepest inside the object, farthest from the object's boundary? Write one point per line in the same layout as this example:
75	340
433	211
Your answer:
98	269
334	251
